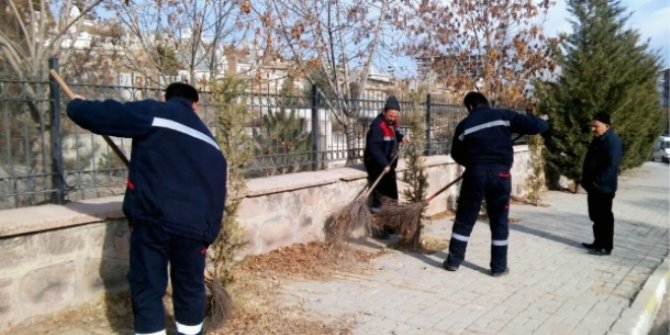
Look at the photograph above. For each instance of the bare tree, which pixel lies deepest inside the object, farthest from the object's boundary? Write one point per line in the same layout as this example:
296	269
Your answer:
341	41
163	37
30	33
33	31
494	46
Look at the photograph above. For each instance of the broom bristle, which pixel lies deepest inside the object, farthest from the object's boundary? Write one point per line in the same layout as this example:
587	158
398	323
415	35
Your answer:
348	219
405	219
219	304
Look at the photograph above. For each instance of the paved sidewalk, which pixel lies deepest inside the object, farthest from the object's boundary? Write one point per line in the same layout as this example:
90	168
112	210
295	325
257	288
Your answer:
554	287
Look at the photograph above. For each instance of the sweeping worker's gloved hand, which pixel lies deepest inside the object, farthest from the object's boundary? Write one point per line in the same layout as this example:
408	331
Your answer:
387	169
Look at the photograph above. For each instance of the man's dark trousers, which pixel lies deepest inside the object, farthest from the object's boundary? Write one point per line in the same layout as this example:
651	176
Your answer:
600	212
151	248
494	185
387	186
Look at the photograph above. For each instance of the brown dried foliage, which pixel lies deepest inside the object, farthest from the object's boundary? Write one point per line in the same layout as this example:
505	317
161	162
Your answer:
343	223
314	260
500	42
256	309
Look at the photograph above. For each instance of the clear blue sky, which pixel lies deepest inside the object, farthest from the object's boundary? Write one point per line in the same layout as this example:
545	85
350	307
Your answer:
651	18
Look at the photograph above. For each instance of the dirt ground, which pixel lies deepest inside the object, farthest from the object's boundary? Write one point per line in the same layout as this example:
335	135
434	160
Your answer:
258	281
255	294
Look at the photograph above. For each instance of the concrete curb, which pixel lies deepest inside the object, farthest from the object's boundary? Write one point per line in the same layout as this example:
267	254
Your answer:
639	318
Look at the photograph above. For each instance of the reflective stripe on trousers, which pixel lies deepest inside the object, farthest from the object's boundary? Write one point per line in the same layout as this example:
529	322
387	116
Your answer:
494	185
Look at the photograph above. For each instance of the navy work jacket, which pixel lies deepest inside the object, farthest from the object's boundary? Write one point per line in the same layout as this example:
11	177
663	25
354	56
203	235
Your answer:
177	173
484	137
381	143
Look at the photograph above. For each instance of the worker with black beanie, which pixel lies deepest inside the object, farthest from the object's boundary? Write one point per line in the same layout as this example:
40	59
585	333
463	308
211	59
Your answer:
381	147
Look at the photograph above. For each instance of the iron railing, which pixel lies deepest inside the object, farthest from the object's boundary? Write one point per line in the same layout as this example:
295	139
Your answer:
46	158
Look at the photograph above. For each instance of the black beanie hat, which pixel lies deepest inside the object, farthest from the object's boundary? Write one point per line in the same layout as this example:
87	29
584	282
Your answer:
392	103
602	117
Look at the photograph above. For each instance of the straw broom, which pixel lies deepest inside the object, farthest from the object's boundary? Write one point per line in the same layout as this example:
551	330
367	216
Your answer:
354	215
406	218
219	302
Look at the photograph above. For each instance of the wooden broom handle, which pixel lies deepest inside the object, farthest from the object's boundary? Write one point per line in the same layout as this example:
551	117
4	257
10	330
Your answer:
372	187
71	95
432	196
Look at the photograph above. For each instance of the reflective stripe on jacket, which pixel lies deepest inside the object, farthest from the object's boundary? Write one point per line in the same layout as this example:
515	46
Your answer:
177	173
484	137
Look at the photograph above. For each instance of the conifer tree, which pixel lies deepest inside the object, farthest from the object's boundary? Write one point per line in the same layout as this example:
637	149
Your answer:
603	68
231	134
415	175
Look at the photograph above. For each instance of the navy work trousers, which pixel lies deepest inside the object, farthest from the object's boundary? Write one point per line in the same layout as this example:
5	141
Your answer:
151	249
479	183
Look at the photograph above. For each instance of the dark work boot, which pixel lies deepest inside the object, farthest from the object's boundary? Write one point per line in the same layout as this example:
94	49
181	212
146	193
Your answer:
499	273
448	267
589	246
600	252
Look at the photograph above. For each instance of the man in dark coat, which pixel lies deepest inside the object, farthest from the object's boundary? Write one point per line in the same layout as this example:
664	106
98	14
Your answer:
483	144
599	179
381	147
174	200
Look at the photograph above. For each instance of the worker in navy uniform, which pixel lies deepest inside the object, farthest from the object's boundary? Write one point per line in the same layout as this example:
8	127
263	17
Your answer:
482	144
381	147
174	200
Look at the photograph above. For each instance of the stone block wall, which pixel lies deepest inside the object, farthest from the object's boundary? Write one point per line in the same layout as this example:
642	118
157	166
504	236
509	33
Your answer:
54	257
59	256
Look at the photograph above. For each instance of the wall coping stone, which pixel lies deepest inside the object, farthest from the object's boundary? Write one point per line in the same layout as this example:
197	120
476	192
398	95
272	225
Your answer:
19	221
26	220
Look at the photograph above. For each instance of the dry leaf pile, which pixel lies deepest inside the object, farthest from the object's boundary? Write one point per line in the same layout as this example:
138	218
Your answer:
255	295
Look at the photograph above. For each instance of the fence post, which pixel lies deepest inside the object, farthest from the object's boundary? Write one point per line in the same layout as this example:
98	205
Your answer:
57	182
316	136
428	125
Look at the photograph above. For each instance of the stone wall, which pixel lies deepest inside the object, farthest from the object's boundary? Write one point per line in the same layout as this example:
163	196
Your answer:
54	257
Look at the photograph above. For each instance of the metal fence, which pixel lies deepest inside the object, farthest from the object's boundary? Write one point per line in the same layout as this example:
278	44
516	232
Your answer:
48	159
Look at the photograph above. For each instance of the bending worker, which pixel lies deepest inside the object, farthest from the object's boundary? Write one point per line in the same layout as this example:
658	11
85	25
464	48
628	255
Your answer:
483	145
174	200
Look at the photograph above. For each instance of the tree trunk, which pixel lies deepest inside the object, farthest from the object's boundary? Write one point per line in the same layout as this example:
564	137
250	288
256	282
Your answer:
350	134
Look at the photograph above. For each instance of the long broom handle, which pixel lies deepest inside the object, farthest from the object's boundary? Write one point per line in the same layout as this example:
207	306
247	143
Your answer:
372	187
71	95
432	196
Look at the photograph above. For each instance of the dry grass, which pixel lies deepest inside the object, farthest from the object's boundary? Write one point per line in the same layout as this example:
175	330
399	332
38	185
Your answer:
258	282
110	314
255	293
428	245
314	260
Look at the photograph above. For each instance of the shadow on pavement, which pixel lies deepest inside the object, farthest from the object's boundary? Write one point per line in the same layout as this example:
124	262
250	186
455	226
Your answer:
547	235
